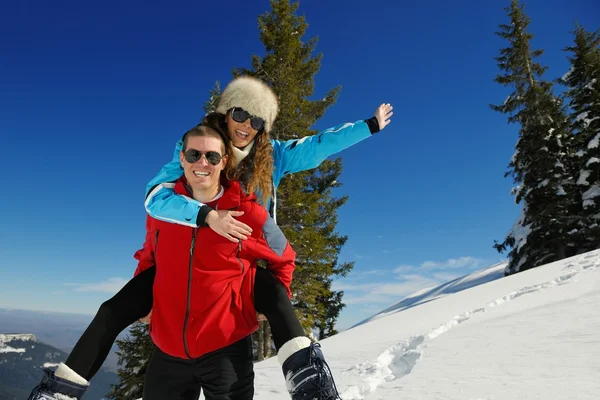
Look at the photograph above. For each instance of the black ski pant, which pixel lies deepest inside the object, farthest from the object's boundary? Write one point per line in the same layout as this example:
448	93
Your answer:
224	374
134	301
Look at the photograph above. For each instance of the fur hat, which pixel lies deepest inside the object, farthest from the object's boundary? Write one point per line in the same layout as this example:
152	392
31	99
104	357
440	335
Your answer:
254	96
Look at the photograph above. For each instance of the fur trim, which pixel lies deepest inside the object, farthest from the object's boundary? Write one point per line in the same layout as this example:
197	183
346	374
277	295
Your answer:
254	96
240	154
291	347
63	371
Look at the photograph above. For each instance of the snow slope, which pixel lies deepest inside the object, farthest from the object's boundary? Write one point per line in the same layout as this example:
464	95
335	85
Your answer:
534	335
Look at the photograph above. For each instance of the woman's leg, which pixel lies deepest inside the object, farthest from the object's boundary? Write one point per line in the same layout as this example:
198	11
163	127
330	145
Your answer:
303	364
132	302
271	299
170	378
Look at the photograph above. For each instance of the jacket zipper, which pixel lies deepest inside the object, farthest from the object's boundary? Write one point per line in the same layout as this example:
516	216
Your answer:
155	258
189	294
237	255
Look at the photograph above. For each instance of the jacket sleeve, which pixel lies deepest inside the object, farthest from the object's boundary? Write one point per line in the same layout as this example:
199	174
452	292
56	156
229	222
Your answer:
309	152
272	246
163	204
145	255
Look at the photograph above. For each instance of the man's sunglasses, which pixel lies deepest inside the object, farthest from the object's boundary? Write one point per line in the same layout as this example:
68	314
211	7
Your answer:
193	155
240	115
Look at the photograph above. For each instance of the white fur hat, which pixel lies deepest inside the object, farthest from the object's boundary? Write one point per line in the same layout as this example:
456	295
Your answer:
254	96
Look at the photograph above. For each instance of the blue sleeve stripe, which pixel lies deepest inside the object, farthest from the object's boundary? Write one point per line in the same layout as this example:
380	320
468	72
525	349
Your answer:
346	125
165	187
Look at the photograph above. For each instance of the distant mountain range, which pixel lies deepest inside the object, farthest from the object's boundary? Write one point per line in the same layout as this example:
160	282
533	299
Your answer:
61	330
22	358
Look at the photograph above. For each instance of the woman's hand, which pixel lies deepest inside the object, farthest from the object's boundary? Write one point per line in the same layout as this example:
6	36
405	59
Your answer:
224	223
383	115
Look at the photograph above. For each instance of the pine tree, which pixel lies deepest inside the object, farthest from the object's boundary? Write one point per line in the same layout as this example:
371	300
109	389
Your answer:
213	99
333	306
583	93
134	353
306	207
542	164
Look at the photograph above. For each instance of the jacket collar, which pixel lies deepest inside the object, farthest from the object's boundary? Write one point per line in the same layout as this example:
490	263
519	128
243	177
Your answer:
232	198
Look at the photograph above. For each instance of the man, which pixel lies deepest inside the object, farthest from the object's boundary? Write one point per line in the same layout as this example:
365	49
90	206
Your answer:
203	312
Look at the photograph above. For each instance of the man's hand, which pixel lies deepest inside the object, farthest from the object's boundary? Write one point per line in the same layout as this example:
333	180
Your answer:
383	115
260	317
224	223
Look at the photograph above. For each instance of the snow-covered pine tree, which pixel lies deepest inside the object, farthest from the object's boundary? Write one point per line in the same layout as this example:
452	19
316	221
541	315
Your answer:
583	95
541	164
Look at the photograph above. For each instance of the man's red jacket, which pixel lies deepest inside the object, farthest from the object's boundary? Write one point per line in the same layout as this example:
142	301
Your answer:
204	285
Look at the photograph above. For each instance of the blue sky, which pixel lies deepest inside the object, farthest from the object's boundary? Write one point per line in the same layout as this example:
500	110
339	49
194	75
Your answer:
94	96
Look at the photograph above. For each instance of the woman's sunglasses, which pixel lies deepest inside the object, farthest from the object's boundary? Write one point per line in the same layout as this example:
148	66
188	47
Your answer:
240	115
193	155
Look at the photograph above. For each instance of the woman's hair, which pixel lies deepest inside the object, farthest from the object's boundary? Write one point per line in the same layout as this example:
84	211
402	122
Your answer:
256	170
212	125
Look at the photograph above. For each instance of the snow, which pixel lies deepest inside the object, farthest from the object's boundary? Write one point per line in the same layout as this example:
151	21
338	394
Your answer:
584	117
592	192
520	231
591	84
8	349
583	175
581	117
594	142
7	338
567	74
591	161
532	335
589	195
588	121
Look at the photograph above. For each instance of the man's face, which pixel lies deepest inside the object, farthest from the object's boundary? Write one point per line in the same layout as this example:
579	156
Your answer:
201	174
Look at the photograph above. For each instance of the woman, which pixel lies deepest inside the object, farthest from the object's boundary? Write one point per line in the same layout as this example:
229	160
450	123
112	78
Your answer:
250	108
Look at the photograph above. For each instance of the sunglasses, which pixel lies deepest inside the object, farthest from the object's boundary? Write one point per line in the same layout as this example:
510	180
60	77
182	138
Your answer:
240	115
193	155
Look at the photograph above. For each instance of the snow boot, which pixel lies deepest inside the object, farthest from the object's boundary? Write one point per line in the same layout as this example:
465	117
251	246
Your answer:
54	388
307	375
